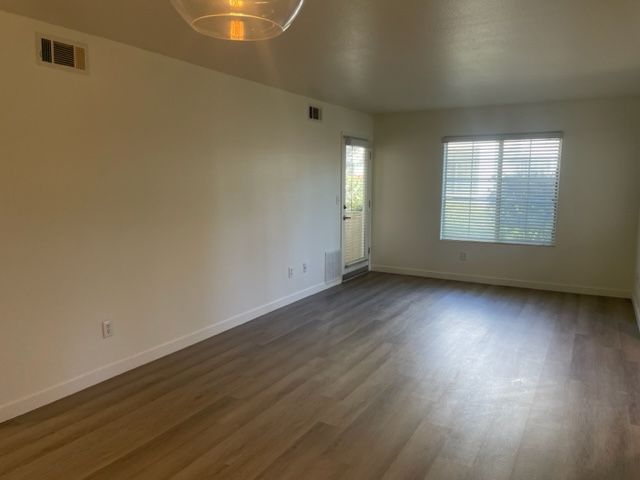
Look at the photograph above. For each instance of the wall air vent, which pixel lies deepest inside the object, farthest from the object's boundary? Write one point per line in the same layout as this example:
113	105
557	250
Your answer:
63	54
332	266
315	113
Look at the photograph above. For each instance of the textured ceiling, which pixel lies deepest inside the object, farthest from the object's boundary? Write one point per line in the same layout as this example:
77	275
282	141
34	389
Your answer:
393	55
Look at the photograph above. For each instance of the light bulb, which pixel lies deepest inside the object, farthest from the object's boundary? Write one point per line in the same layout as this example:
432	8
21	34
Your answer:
236	30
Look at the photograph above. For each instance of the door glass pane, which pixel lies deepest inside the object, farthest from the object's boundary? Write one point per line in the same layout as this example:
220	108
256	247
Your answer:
356	226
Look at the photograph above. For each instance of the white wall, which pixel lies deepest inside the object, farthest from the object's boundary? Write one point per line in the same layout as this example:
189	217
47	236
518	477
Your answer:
598	203
162	196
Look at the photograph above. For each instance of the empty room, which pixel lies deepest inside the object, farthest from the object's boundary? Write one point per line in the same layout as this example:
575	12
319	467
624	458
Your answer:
319	239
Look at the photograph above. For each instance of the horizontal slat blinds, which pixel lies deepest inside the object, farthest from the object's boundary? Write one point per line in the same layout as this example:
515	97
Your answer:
529	191
501	189
471	182
356	218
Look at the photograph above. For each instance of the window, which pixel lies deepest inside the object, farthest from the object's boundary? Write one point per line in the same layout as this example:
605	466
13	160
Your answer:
501	189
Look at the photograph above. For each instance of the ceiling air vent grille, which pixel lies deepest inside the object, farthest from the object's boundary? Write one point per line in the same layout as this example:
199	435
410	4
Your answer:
315	113
62	53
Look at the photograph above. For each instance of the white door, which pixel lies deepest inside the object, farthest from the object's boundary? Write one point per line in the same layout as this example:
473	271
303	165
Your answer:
356	212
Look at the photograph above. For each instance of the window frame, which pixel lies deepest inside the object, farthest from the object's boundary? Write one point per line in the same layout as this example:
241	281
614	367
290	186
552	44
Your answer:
501	138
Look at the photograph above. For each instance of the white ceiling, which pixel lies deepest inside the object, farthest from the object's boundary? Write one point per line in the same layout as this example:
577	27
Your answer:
393	55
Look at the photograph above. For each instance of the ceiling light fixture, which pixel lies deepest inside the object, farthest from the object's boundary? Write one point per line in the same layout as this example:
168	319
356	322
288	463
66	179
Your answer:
239	20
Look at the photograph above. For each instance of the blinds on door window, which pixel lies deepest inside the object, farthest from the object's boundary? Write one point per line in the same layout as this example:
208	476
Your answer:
501	189
356	211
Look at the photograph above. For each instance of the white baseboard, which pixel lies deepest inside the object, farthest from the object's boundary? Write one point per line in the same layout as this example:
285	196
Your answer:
56	392
506	282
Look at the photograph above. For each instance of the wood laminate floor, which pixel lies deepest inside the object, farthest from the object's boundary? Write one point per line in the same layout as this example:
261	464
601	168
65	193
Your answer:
386	377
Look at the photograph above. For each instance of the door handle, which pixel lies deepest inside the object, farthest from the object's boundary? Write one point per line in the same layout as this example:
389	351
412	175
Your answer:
346	218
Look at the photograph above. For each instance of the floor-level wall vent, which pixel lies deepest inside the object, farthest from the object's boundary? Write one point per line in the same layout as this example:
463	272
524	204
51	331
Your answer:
332	266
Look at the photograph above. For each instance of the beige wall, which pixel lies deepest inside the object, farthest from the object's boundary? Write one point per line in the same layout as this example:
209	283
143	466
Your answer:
598	204
636	290
159	195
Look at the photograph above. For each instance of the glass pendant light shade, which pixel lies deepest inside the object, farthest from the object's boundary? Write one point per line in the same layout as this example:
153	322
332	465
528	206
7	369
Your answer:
240	20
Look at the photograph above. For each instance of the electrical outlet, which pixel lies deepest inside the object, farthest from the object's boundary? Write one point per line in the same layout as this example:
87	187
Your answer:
305	268
463	256
290	273
107	329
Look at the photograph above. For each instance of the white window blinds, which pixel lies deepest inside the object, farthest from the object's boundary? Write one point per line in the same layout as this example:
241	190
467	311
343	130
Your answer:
356	195
501	189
